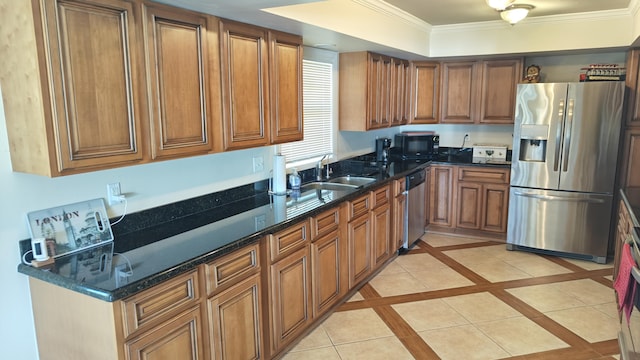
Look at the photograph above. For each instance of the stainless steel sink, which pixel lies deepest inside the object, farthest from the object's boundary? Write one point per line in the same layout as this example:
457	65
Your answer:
357	181
323	185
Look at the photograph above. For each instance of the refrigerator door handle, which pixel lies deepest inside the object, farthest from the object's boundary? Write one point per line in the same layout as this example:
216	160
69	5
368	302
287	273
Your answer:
567	137
556	159
558	198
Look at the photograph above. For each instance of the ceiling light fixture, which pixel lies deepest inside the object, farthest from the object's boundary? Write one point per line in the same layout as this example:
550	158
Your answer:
514	13
499	4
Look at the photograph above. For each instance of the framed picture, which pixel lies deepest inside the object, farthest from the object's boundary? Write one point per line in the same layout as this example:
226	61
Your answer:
70	228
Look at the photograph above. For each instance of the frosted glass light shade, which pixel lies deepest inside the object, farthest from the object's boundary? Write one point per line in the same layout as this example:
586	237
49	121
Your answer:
499	4
515	13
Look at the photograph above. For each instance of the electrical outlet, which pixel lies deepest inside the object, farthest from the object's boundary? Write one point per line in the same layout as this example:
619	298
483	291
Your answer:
114	195
258	164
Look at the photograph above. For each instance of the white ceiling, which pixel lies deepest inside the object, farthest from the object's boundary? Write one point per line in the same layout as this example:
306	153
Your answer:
446	12
431	12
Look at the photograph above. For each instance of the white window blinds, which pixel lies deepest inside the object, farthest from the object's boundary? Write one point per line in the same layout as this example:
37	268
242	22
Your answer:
317	112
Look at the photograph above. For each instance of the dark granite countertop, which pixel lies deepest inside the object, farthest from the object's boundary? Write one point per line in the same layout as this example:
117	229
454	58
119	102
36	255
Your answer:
149	254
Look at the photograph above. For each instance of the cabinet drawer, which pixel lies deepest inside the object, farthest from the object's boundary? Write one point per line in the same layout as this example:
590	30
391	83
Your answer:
359	206
289	240
325	223
231	268
380	196
483	174
159	303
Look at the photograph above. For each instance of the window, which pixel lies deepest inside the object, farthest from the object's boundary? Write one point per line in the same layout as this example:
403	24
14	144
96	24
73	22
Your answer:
317	112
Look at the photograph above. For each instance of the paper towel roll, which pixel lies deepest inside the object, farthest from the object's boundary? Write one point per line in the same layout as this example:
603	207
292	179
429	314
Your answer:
279	175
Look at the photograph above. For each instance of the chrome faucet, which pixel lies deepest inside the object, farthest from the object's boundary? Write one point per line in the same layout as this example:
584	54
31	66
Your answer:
319	167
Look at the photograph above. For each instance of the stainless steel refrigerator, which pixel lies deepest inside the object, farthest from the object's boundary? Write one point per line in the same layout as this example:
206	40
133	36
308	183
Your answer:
565	149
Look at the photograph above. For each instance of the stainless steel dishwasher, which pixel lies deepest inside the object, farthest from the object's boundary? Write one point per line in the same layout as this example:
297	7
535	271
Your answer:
414	215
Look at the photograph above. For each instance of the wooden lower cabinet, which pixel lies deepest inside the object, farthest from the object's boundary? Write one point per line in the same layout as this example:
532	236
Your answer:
381	225
289	298
326	259
235	320
359	240
482	206
482	198
399	203
178	338
441	193
232	307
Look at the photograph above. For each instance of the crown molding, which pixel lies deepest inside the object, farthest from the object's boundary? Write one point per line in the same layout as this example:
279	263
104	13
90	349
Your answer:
564	19
389	10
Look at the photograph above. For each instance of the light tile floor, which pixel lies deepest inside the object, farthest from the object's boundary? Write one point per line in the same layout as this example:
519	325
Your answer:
490	304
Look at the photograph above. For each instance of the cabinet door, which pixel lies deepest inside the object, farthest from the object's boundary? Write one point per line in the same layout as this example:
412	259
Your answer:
179	338
425	92
327	265
245	85
399	203
381	226
96	78
441	195
290	298
459	92
399	92
495	203
235	317
623	229
359	239
632	81
469	205
180	107
286	87
379	76
427	197
499	82
631	160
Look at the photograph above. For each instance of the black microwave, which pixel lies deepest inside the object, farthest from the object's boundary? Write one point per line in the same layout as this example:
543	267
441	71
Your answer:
417	145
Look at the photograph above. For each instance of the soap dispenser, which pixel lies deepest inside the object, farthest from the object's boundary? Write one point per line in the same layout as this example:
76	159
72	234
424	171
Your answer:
294	180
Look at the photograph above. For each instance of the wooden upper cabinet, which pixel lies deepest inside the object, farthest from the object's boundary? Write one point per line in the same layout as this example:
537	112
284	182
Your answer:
245	85
180	106
80	107
480	92
459	92
498	96
286	87
400	108
425	92
368	93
